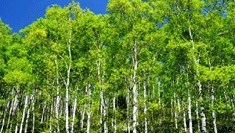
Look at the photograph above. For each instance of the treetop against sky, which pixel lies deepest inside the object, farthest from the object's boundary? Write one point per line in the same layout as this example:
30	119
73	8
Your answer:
20	13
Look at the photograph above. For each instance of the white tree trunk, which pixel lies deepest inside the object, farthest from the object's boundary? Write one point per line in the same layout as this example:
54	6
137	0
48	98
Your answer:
145	110
101	110
4	117
184	115
213	110
197	117
17	123
196	61
23	115
114	115
128	111
10	112
179	107
15	111
33	103
50	118
175	112
172	107
101	93
135	91
159	98
189	113
68	82
74	114
57	97
43	112
82	118
27	117
89	109
105	115
203	115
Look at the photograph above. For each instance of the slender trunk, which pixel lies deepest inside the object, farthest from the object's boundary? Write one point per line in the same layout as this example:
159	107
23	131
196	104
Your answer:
159	92
33	103
213	110
128	111
175	112
189	113
203	115
17	123
23	115
105	107
43	112
4	117
159	97
10	112
179	107
145	110
185	122
14	111
57	97
196	61
114	115
197	117
105	115
68	82
212	104
27	117
101	110
135	92
89	109
172	107
50	121
101	94
74	114
82	118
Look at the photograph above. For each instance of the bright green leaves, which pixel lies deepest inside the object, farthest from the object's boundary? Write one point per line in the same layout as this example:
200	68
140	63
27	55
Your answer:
5	40
224	74
4	29
19	70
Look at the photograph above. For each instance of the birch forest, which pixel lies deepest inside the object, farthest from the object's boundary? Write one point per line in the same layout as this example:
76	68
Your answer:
147	66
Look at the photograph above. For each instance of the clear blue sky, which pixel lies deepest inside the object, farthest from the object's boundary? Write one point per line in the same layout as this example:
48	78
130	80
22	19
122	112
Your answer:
20	13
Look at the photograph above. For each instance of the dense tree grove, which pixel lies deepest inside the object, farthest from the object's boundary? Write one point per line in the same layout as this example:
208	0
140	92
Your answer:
145	66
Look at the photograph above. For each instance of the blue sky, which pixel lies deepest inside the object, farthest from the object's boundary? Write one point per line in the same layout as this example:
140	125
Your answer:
20	13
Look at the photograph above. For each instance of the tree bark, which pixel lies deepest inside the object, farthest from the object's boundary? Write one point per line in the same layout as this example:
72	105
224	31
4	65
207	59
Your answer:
23	115
27	117
128	109
189	113
114	115
50	118
33	111
10	112
74	113
213	110
68	83
4	117
203	115
196	61
89	109
43	112
105	115
197	117
17	123
135	92
82	118
175	112
184	115
57	97
145	110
